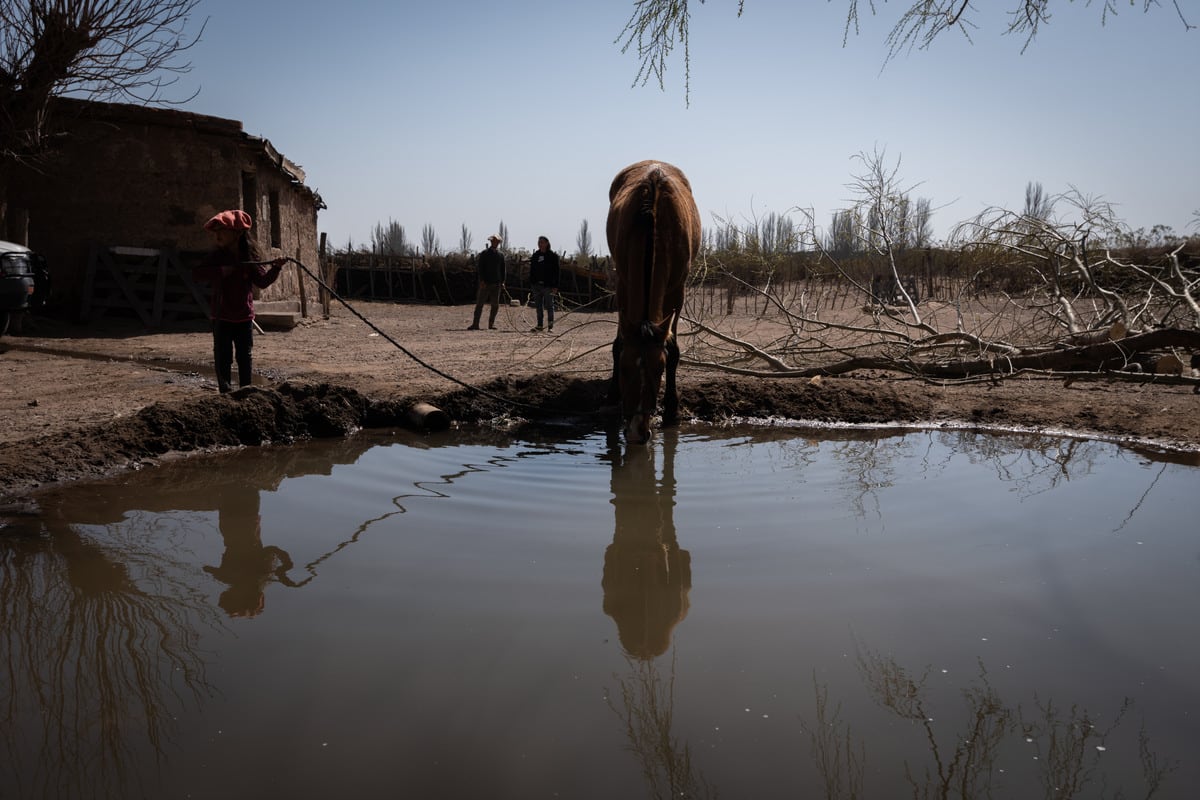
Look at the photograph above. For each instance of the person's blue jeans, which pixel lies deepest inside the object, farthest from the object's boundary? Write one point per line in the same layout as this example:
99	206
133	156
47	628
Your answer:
543	302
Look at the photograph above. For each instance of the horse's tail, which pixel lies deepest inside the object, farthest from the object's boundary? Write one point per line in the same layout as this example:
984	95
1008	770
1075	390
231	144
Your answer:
649	215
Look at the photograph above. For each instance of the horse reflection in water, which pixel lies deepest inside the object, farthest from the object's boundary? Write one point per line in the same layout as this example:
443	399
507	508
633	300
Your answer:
646	583
247	566
646	576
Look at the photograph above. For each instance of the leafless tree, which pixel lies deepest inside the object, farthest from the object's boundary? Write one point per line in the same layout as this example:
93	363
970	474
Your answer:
583	240
656	27
389	239
920	222
882	217
924	21
105	50
1037	204
430	245
842	237
725	236
777	234
502	232
464	240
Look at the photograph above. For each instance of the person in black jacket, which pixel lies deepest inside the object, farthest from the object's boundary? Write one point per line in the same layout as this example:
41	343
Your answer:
543	281
490	266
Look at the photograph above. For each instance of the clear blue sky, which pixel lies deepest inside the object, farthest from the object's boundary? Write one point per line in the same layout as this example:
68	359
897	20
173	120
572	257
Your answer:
451	113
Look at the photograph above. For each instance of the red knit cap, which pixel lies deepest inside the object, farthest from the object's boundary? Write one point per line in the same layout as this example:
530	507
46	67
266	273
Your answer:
235	220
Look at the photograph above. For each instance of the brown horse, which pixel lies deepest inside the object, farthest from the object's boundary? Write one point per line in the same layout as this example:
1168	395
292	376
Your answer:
653	235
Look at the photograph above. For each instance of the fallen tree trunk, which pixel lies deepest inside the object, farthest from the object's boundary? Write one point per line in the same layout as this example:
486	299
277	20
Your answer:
1105	356
1102	357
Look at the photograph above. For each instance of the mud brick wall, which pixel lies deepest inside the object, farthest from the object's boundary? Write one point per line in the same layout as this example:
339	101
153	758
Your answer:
128	176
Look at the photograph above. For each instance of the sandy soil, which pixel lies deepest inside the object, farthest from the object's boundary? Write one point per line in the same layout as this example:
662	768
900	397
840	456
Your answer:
81	402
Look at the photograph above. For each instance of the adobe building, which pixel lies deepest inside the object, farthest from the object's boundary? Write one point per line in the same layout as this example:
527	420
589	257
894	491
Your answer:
119	205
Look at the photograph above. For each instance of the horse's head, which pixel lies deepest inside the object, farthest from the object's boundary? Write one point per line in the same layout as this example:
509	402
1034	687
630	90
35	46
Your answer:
643	359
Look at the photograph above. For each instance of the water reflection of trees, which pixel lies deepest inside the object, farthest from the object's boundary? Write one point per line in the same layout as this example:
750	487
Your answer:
968	770
1069	758
1031	464
871	465
98	654
645	704
840	760
996	750
103	612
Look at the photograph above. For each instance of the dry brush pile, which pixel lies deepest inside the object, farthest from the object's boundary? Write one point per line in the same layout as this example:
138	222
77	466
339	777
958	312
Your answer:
1010	294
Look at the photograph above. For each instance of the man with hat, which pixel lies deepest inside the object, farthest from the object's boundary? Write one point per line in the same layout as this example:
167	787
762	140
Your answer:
490	267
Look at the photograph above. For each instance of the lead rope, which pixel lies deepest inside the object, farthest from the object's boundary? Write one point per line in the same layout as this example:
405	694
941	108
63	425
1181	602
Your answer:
505	400
311	567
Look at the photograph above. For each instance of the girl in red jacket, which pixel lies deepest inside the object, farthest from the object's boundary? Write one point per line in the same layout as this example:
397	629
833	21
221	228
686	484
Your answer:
231	270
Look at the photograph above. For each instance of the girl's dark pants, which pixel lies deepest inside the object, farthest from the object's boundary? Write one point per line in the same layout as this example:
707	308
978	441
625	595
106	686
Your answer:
228	337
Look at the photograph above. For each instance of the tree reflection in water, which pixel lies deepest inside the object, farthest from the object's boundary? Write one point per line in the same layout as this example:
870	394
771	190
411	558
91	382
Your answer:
1068	750
969	770
841	762
647	709
1030	463
98	654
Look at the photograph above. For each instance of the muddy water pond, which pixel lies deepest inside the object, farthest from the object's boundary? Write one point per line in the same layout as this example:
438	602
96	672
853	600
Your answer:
740	613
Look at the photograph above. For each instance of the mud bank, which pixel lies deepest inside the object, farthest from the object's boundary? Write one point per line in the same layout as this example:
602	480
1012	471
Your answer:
294	411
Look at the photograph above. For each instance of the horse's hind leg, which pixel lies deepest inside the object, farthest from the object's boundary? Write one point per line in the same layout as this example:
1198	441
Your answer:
670	396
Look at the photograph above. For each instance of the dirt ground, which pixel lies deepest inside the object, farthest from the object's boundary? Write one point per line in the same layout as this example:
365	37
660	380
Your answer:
82	402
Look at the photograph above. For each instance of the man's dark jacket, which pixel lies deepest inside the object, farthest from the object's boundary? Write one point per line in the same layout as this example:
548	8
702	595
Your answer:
491	266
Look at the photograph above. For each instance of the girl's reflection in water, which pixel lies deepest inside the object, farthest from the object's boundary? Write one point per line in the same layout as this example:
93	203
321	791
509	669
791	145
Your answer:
247	566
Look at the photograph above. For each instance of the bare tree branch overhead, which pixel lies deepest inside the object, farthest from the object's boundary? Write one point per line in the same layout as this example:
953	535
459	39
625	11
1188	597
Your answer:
127	50
656	27
104	50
